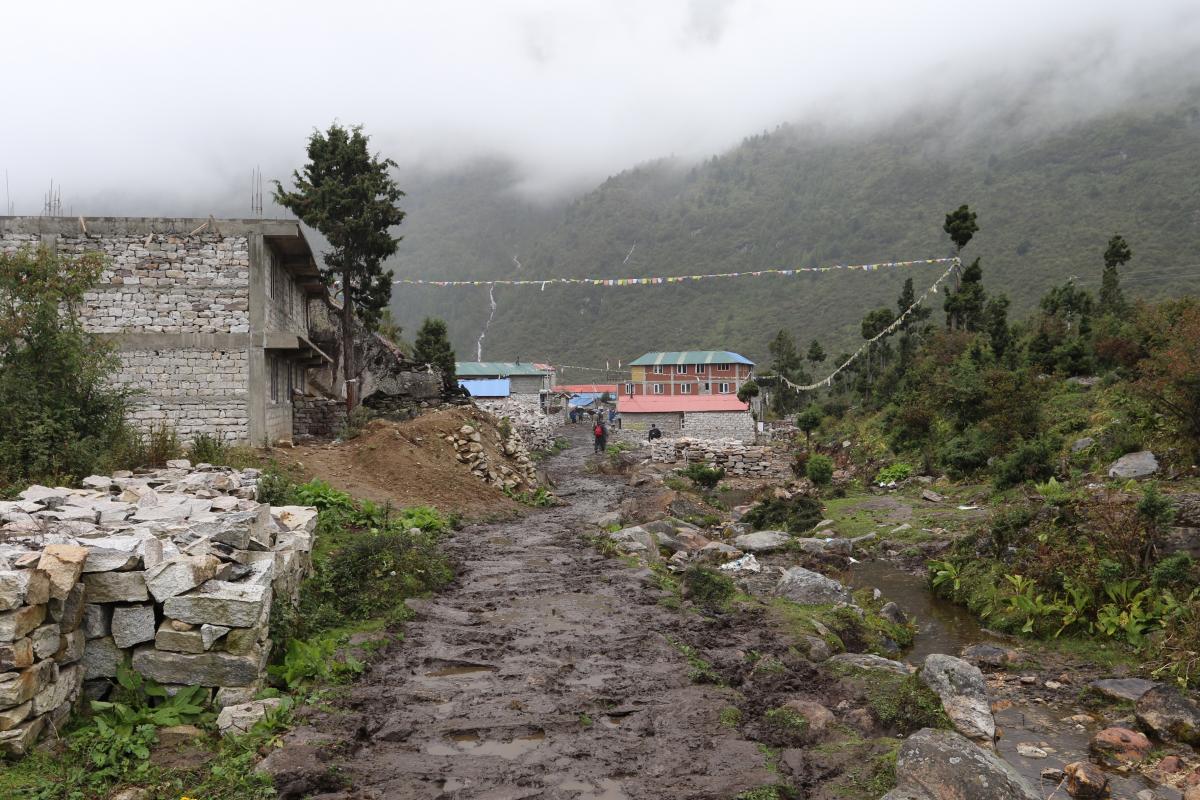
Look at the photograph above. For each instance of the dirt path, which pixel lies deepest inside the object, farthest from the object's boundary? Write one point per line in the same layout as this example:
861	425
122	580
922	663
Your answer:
545	671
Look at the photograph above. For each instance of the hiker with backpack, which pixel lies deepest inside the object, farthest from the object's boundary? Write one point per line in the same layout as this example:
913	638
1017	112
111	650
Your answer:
601	434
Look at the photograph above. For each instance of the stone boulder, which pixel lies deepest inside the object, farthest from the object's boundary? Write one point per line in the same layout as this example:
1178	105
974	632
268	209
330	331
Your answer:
1134	465
1085	780
64	564
806	587
943	765
241	718
961	687
1116	747
180	574
762	541
1130	689
990	655
869	661
1169	715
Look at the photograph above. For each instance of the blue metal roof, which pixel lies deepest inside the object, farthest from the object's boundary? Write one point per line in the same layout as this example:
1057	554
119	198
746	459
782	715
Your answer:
499	387
690	357
583	399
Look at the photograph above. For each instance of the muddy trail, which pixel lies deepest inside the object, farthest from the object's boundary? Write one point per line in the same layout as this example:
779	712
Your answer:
546	670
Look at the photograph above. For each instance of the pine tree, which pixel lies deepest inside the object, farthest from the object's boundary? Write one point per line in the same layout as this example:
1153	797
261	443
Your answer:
1112	300
816	353
433	347
348	195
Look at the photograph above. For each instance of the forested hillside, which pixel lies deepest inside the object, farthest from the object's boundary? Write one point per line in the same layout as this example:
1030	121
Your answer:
792	197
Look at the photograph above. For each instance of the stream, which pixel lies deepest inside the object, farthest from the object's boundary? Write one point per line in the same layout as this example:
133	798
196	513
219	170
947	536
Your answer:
945	627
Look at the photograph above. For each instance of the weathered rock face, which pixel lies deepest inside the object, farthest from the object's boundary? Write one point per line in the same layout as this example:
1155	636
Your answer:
1085	780
869	661
943	765
1119	746
990	655
762	541
1169	715
807	587
963	693
1134	465
1130	689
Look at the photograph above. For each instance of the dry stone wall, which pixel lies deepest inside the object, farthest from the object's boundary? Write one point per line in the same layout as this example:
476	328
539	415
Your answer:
719	425
173	570
537	428
735	456
518	475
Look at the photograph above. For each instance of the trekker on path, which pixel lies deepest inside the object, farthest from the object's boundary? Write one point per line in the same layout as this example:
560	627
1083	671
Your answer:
654	433
601	434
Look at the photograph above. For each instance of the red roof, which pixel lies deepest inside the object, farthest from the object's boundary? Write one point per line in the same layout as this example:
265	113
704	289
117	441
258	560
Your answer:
659	404
588	388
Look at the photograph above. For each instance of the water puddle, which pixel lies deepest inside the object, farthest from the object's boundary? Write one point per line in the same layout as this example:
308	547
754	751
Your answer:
459	670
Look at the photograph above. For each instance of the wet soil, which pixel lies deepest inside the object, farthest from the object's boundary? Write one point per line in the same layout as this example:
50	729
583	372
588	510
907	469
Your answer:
546	670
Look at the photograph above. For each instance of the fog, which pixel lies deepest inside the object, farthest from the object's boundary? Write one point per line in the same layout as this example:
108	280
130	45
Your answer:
162	108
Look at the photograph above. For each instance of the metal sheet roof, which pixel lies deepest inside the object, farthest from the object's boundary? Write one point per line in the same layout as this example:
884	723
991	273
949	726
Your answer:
666	404
587	388
503	369
581	400
691	357
499	387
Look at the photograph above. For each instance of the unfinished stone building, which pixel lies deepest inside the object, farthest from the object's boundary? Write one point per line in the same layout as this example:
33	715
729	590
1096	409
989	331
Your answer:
210	317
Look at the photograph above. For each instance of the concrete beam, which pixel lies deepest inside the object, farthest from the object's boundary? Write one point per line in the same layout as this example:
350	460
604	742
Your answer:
142	226
178	341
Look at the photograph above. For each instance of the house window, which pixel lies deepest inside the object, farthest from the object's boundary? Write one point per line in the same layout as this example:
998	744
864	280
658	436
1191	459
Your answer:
701	369
658	369
658	388
629	389
685	388
723	388
722	367
708	388
681	369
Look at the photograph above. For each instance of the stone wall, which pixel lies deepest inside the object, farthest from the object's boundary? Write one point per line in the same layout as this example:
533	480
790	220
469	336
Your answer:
719	425
538	429
318	417
193	390
173	570
634	426
735	456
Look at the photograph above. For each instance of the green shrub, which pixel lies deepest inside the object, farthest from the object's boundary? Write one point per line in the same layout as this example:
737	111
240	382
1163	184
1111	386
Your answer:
1031	460
797	514
820	469
356	423
208	449
704	476
320	494
895	472
275	488
314	661
708	588
905	704
1174	570
964	454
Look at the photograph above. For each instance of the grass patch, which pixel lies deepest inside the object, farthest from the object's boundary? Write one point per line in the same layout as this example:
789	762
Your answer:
730	717
699	670
708	588
900	702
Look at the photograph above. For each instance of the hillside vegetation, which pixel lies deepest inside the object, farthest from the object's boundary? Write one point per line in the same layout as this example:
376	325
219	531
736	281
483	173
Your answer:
801	197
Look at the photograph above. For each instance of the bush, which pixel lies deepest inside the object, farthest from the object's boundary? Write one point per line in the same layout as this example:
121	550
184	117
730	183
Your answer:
1174	570
895	472
820	469
964	454
709	589
61	417
704	476
796	515
208	449
1032	460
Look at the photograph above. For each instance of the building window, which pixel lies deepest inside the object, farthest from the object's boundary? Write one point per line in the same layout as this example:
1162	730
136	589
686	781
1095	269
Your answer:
708	388
629	389
681	369
701	369
658	369
274	364
658	388
685	388
723	388
722	368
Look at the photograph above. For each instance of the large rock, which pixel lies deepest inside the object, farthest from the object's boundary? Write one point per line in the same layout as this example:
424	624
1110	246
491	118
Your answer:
16	624
180	574
241	718
132	625
68	613
17	687
58	692
804	586
115	587
233	605
22	587
21	739
1169	715
198	669
104	559
961	687
1085	781
762	541
1130	689
46	639
990	655
1134	465
1119	746
242	530
943	765
101	658
63	563
869	661
16	655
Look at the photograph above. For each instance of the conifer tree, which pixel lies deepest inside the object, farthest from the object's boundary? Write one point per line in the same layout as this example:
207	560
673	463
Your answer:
432	346
1112	300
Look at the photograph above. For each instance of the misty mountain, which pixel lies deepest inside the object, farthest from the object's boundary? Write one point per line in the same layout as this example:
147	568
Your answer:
802	196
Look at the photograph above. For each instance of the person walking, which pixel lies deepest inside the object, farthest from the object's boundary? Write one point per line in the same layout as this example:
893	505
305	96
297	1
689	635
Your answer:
654	433
601	436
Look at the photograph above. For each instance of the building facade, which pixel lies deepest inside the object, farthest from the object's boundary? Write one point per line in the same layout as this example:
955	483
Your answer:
700	417
529	380
694	372
209	317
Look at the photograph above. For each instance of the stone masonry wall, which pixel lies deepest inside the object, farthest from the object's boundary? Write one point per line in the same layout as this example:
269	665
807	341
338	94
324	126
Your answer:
719	425
736	457
173	570
319	417
194	391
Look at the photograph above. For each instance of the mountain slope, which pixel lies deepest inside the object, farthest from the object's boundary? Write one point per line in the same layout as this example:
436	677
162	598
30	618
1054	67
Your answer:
801	197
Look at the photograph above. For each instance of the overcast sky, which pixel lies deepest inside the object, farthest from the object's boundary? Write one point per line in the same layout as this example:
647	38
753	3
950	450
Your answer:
128	104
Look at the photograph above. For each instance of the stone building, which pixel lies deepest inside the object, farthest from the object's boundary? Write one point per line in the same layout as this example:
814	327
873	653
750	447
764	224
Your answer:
697	416
210	317
529	380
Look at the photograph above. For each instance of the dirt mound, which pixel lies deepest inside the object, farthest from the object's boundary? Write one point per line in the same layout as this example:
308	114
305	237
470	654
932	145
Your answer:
410	463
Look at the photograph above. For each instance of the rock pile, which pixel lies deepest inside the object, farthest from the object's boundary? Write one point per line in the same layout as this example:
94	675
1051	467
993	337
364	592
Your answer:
537	428
738	458
173	570
520	476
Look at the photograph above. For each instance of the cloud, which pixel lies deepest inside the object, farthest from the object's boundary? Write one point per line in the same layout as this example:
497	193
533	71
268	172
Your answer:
135	104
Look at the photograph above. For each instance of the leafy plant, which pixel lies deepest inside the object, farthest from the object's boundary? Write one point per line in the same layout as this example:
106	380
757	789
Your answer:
704	476
320	494
894	473
1053	492
208	449
819	469
314	661
943	574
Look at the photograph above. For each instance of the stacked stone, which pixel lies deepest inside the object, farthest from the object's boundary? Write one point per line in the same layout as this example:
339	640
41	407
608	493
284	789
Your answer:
173	571
318	417
516	474
735	456
537	428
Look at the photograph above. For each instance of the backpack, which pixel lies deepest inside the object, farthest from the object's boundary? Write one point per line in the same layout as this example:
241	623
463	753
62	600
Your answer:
598	430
